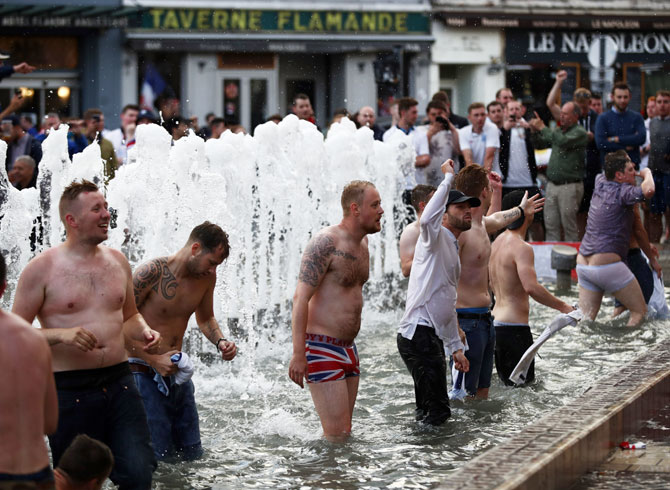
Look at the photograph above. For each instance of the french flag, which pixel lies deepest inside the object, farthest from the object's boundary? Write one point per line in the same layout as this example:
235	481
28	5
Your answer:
152	87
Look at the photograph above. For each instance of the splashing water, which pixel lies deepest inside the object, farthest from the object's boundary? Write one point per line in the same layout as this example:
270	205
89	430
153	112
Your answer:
271	192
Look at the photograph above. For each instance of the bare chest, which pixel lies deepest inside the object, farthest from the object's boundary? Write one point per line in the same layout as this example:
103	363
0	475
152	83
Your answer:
476	251
71	290
171	297
350	268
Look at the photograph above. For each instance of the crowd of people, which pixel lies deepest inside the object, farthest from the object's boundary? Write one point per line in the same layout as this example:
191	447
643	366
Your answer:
108	360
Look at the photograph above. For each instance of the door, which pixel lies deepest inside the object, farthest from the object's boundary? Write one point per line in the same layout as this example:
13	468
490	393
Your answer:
247	97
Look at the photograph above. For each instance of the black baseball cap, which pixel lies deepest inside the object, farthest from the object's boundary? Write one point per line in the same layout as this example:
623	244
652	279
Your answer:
150	116
456	197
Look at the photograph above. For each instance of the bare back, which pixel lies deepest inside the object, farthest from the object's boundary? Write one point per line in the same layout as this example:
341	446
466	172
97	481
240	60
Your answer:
65	290
474	252
407	245
335	307
28	405
169	303
512	303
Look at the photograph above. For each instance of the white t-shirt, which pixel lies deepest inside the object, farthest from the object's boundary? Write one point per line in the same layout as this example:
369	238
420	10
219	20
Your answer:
479	142
518	174
420	141
441	147
117	139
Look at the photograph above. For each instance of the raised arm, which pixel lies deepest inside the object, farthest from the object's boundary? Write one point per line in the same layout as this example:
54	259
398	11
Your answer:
647	186
501	219
313	267
431	218
204	316
524	258
554	93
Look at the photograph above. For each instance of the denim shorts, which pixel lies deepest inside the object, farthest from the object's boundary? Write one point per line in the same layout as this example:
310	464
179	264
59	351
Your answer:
173	419
481	337
105	405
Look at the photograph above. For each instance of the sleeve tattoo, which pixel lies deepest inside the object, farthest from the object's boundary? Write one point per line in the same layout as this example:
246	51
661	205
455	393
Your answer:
157	276
315	259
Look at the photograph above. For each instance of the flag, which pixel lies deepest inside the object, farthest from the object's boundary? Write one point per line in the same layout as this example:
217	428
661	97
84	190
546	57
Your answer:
152	86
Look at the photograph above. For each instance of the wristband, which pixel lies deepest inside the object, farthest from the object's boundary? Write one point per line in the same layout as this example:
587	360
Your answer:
523	215
220	340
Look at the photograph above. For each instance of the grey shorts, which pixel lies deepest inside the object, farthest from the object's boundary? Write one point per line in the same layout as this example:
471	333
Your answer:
606	278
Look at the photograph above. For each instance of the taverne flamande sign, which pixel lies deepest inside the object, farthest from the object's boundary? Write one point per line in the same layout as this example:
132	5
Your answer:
294	21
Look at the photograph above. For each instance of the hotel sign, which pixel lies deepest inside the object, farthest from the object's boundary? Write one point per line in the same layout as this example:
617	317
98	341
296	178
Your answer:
285	21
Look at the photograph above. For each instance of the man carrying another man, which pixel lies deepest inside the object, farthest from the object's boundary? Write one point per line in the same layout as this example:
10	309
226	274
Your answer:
600	266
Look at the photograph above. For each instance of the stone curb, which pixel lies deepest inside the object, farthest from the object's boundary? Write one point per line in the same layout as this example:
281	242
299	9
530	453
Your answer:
559	448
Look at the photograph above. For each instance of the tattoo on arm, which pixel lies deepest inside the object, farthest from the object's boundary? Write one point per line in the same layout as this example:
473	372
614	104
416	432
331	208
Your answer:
315	259
211	330
155	275
512	214
346	255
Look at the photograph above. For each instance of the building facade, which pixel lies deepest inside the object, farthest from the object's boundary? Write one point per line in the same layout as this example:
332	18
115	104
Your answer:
521	45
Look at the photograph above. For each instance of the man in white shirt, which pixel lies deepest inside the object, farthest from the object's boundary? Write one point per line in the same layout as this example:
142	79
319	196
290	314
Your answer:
429	326
479	141
421	194
120	137
442	141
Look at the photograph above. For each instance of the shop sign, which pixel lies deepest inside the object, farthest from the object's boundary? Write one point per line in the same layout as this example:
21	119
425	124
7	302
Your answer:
549	46
293	21
94	22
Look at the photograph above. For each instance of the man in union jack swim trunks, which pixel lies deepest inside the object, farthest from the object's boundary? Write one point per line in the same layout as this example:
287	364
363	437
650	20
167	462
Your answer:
327	309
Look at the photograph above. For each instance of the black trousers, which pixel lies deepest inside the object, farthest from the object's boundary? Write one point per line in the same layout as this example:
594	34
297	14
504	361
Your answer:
425	360
512	341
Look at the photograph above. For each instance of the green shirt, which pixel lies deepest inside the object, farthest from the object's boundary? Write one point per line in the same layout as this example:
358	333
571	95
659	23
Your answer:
568	152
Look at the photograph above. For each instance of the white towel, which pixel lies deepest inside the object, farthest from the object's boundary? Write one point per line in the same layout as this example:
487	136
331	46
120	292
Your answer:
561	320
185	366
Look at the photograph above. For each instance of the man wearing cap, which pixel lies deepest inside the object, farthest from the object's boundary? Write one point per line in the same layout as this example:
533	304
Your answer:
19	142
429	326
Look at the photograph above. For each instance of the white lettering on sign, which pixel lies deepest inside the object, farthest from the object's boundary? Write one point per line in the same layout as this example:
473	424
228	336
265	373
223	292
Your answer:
545	44
579	42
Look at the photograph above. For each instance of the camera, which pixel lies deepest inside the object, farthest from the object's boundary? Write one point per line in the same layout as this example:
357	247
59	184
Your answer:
443	122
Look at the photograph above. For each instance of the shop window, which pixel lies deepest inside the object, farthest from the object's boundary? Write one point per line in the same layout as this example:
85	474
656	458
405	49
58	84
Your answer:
259	98
231	100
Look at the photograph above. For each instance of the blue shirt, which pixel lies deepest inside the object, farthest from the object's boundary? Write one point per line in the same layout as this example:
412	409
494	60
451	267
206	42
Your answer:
628	126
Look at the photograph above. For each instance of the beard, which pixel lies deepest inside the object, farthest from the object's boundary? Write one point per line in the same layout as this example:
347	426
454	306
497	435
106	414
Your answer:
459	223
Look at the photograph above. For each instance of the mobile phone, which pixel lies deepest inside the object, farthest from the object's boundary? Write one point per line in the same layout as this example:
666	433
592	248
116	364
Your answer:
19	92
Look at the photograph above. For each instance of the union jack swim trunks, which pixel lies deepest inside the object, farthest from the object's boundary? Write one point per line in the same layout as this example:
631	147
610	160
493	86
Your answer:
330	359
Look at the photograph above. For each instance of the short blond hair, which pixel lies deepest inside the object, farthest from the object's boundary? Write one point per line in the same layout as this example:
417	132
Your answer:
353	193
71	193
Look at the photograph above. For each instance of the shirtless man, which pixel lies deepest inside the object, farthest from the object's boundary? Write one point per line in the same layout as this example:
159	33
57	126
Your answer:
168	290
600	266
513	280
28	405
82	294
421	194
474	249
327	309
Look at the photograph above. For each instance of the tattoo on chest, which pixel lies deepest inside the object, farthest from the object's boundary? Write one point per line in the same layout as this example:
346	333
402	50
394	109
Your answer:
315	259
157	276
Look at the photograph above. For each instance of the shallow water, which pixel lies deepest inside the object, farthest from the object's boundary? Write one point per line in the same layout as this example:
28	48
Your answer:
260	430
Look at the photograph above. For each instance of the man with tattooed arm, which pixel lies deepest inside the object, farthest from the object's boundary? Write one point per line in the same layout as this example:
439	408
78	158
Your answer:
168	290
327	308
82	294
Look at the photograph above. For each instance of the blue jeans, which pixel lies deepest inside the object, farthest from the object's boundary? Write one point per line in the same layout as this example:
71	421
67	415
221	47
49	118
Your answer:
105	405
173	419
481	342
